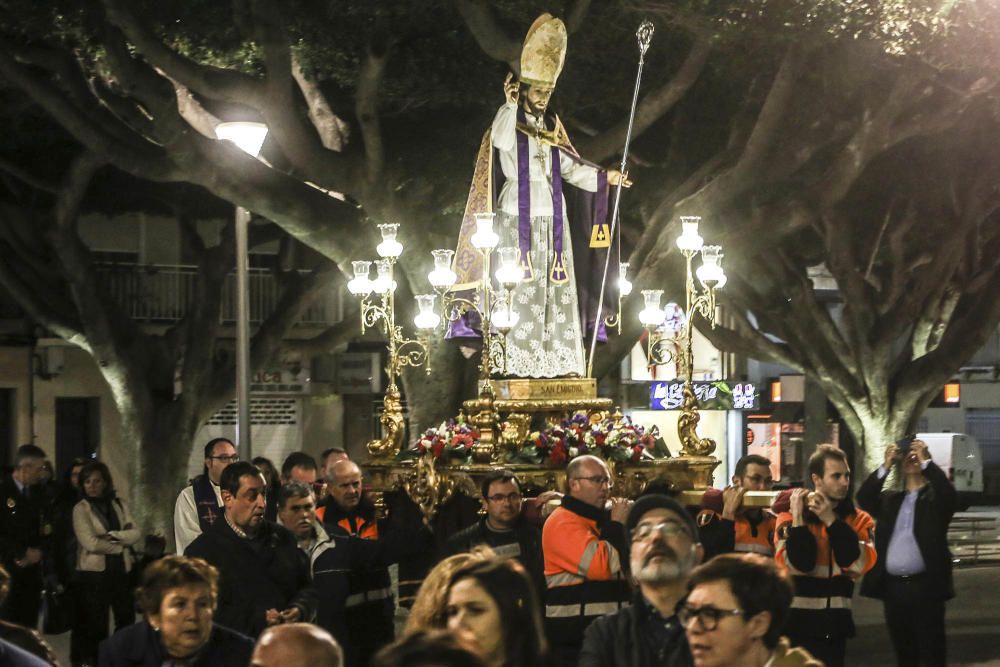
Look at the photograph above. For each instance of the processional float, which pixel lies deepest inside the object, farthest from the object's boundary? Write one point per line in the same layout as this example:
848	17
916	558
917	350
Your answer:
533	426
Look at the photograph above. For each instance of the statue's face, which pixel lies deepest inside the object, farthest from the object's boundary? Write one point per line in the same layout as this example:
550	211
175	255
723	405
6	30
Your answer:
536	99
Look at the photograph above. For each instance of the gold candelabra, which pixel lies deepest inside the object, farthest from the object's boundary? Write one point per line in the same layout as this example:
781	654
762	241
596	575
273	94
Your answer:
671	330
378	310
494	308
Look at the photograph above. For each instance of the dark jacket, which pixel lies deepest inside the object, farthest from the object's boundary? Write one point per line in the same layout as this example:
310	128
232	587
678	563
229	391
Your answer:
20	524
635	637
255	575
526	538
138	645
936	503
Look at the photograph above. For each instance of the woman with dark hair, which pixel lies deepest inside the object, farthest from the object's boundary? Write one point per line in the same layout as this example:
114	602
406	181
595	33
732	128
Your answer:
433	648
104	530
178	596
493	604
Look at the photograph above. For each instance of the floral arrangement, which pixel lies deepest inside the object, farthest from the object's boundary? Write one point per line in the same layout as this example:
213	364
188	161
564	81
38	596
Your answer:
613	439
452	439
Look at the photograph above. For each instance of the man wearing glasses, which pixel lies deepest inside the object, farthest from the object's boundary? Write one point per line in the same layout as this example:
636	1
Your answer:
664	550
726	525
199	505
584	547
503	528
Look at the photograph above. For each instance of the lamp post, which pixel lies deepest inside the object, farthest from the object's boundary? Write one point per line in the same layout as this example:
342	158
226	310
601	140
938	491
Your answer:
673	327
249	137
378	309
496	313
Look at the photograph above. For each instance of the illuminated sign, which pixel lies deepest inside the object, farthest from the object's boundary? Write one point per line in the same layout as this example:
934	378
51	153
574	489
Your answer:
716	395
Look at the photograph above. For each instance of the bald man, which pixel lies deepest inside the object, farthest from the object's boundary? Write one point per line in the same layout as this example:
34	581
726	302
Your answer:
297	645
370	608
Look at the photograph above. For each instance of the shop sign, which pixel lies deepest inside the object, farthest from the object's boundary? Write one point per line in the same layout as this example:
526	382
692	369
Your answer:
716	395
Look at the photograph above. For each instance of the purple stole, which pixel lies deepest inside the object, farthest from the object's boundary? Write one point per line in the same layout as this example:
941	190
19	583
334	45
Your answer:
205	502
557	273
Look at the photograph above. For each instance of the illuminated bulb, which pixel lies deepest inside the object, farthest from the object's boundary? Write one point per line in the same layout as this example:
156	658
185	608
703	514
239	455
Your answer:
710	272
360	284
442	277
389	247
248	136
426	318
504	318
383	282
510	272
624	284
651	315
689	240
484	238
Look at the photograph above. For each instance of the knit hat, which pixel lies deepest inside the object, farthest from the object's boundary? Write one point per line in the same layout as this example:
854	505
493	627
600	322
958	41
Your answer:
659	501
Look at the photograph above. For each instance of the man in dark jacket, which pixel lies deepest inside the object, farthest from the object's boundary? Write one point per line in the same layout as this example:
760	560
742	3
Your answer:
370	606
21	537
912	575
504	529
332	559
664	549
263	581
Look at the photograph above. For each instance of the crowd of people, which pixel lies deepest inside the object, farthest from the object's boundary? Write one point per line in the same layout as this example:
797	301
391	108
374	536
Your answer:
289	566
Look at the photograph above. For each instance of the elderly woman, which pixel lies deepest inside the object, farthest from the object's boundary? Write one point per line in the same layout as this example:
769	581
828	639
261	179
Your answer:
104	531
177	596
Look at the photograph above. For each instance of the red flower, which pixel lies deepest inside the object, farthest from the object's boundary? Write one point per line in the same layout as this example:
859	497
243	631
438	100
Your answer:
636	453
600	438
559	453
438	449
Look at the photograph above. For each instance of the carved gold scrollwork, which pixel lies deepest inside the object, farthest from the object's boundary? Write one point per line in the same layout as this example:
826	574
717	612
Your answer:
393	428
427	488
687	427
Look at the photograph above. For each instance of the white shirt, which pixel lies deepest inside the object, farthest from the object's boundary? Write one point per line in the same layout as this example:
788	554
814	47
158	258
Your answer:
186	525
504	137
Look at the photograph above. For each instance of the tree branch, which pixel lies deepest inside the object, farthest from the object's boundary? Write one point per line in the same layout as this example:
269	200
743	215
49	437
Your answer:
491	37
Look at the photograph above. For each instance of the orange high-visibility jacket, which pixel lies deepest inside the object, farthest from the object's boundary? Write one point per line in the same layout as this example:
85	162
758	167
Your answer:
824	562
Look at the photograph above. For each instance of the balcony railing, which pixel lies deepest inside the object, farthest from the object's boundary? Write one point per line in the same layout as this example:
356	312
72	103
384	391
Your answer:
161	293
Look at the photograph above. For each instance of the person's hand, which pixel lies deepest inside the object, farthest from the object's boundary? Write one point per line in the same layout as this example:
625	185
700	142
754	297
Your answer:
920	450
615	177
620	508
291	615
891	455
548	501
510	88
732	500
797	505
272	617
32	556
822	507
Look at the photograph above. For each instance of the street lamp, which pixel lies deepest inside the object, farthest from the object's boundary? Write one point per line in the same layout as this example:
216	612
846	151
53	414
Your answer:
249	137
671	330
378	308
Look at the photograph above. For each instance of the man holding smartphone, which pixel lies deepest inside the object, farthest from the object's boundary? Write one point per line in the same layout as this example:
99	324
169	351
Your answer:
913	502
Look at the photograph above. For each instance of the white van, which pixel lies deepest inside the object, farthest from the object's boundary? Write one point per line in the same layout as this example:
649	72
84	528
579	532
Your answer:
960	458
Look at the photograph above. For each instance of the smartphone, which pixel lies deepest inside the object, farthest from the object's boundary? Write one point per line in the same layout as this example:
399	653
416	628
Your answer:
904	443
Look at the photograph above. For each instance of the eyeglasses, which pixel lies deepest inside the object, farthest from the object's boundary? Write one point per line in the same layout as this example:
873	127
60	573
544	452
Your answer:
708	616
501	497
599	480
230	459
666	528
